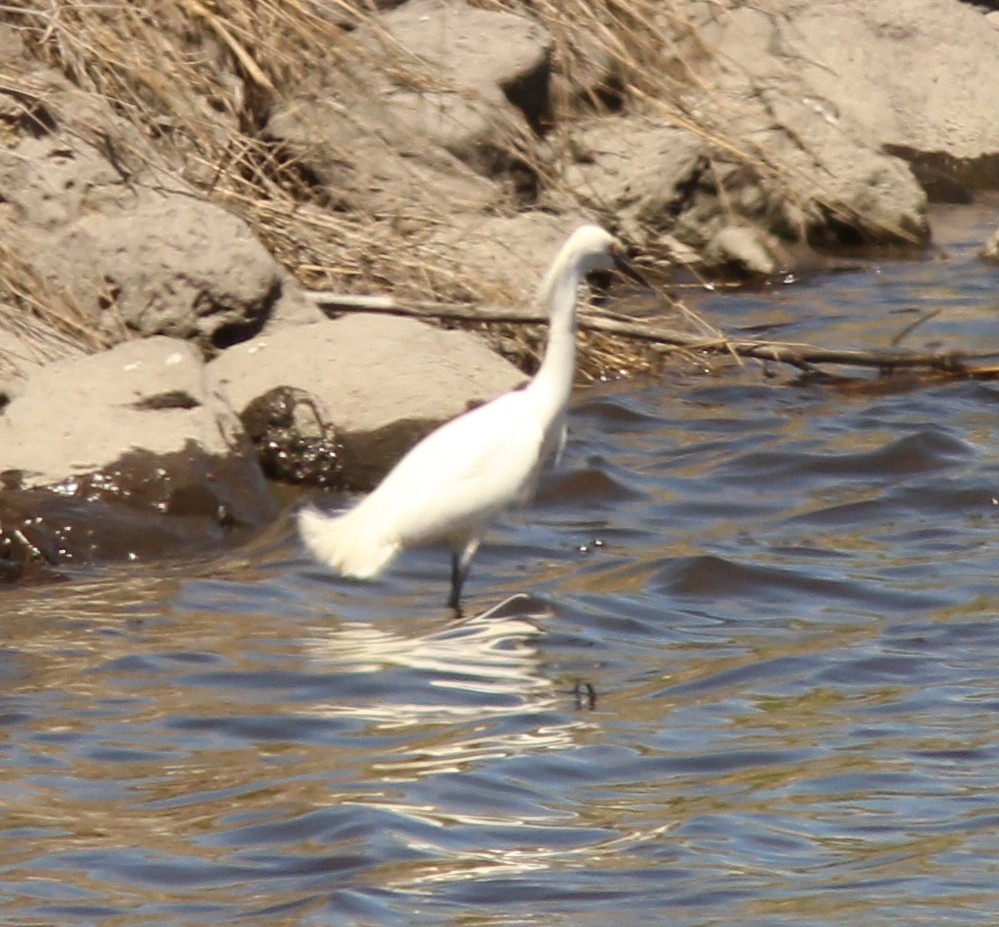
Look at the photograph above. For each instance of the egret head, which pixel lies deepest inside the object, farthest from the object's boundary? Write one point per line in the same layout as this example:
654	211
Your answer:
591	248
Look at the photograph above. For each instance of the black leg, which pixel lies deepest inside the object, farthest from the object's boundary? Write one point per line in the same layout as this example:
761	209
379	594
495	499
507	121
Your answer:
457	580
460	562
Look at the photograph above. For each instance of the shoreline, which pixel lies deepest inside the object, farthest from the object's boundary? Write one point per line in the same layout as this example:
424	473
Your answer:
154	280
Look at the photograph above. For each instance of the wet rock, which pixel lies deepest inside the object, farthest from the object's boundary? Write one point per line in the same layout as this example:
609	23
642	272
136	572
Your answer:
291	440
146	508
378	383
91	441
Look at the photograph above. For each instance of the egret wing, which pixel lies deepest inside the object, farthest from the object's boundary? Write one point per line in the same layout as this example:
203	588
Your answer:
461	475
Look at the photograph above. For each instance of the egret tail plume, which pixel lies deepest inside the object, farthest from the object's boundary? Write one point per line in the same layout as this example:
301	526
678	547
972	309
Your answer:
351	545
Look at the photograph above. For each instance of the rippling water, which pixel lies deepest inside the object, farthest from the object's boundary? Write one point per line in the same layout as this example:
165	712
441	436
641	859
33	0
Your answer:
750	676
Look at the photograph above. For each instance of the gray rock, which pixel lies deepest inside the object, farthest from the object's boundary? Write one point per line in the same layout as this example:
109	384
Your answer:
643	171
47	184
744	249
378	383
506	255
493	55
844	188
920	79
416	149
136	425
168	265
481	133
131	261
930	69
388	170
668	185
82	208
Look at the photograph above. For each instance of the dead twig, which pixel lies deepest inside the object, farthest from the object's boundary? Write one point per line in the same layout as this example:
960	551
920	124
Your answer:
805	357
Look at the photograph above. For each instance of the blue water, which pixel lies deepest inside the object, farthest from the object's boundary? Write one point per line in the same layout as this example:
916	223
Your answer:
748	673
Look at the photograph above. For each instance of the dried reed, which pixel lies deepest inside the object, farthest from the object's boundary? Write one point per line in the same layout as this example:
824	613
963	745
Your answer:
197	79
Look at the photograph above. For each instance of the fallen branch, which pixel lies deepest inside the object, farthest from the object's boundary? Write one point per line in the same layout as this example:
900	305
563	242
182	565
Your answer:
805	357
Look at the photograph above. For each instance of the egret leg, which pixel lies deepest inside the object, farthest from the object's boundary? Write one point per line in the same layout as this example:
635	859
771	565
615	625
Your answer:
460	562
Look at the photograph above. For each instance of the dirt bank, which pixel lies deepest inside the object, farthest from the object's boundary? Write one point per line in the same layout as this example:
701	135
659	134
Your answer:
174	176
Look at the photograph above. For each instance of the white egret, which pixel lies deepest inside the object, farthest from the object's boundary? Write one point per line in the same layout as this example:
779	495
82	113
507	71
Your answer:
454	482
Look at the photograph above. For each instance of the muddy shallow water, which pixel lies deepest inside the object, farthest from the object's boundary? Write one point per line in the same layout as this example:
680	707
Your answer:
753	678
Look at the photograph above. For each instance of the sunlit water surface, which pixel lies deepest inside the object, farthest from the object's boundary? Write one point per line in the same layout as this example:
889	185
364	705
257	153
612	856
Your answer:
756	680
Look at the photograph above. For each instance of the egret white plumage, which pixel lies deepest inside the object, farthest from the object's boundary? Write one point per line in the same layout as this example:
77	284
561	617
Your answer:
454	482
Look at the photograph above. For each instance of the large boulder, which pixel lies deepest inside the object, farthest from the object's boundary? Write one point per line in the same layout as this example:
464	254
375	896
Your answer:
644	172
441	133
676	191
930	71
919	79
489	55
361	159
376	383
750	174
844	188
133	433
162	264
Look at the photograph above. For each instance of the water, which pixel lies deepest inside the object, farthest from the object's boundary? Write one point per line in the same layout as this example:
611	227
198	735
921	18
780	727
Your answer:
754	679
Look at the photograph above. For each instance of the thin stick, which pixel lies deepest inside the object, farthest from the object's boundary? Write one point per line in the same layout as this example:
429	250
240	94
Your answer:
800	355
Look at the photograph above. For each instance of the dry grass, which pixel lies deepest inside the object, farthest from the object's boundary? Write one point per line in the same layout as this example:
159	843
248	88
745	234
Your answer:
196	80
48	322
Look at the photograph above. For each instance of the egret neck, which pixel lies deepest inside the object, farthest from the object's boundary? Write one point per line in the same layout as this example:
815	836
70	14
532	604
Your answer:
553	381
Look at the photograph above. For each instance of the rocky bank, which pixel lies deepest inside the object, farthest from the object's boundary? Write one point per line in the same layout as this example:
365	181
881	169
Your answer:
159	360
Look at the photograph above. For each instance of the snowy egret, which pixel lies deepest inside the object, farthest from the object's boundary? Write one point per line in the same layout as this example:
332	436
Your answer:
454	482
